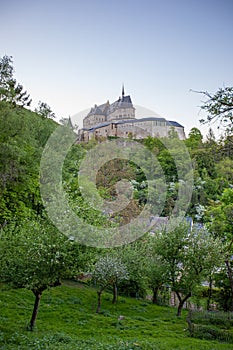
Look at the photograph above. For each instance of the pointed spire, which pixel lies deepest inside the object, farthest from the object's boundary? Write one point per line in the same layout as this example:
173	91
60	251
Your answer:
123	90
69	123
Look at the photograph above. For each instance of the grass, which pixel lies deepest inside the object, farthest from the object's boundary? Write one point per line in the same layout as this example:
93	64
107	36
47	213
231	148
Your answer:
67	320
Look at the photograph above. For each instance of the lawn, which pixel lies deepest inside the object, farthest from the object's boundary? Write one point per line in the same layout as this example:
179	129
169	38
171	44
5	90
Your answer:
67	320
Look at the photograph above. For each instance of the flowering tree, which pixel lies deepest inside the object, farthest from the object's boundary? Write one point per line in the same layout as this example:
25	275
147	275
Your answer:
109	271
189	256
35	256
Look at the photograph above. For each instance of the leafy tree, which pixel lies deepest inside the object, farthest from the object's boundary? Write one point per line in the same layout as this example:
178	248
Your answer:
211	137
219	220
133	256
109	271
194	139
44	110
172	133
157	274
226	146
35	256
189	257
23	135
224	169
153	144
219	106
10	90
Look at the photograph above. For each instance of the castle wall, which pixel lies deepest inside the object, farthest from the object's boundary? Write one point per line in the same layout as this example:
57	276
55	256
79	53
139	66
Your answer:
122	114
137	130
93	120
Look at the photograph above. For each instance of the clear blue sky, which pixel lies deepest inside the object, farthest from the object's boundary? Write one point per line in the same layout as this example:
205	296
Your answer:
73	54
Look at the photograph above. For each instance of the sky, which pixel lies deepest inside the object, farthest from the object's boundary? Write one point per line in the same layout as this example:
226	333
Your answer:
74	54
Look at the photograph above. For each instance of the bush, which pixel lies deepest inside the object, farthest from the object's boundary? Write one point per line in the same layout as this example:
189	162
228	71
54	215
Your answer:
210	325
212	333
133	289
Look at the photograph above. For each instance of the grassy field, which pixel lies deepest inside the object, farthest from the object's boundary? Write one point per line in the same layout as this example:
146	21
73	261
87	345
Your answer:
67	320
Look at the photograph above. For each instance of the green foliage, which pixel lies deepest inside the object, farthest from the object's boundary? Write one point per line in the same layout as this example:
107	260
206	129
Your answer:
34	255
219	216
211	325
133	255
189	256
44	110
194	139
10	91
23	135
219	106
157	273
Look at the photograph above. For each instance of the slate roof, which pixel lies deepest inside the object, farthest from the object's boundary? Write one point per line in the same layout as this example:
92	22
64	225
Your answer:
133	121
172	123
96	110
147	119
98	126
106	108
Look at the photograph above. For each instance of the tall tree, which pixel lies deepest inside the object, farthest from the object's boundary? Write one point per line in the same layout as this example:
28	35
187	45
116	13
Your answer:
219	219
10	90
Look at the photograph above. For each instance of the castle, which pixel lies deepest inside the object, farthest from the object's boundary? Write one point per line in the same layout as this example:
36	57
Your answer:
118	120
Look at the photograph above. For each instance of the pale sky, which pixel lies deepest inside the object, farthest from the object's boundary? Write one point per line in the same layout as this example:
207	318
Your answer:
73	54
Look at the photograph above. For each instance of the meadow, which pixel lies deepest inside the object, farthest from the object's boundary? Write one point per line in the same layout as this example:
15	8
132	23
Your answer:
67	320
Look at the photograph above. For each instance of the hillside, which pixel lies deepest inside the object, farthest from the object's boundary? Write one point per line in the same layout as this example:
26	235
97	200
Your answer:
67	320
23	134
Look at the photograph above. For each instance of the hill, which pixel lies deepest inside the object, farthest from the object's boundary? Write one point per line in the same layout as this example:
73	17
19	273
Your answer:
23	134
67	320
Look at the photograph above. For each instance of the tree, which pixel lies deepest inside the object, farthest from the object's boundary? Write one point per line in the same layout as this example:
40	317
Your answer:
109	271
35	256
194	139
189	257
157	274
219	107
10	90
44	110
219	220
23	135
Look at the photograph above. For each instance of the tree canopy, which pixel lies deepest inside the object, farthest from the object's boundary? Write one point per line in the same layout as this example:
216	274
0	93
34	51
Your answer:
10	90
219	107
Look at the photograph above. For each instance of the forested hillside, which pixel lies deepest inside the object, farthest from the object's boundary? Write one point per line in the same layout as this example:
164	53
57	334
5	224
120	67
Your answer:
23	135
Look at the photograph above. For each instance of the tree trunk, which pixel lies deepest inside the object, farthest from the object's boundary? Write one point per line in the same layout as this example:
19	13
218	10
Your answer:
35	309
190	324
114	300
181	302
155	295
99	301
209	293
230	276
